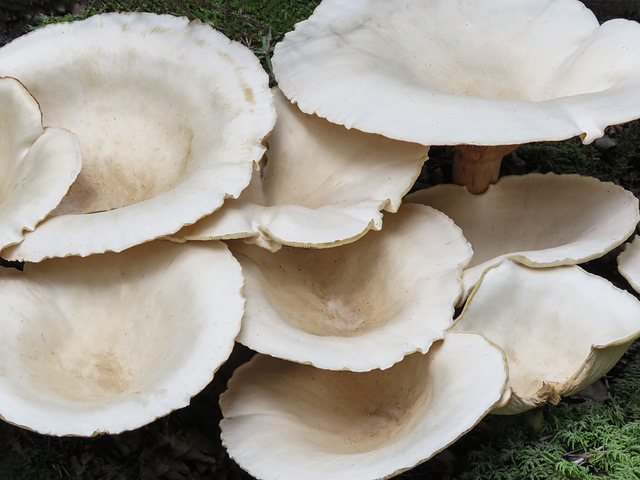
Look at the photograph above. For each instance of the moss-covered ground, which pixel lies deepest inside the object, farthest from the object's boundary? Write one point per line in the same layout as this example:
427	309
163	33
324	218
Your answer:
593	436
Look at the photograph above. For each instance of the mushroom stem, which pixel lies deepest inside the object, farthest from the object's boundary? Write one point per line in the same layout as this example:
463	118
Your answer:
476	167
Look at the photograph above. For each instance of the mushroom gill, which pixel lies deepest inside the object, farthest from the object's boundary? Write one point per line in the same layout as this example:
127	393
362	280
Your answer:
289	421
358	306
170	116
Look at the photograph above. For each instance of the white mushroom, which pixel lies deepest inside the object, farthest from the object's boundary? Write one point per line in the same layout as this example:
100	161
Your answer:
561	329
288	421
37	165
486	74
359	306
629	264
538	220
322	185
170	115
111	342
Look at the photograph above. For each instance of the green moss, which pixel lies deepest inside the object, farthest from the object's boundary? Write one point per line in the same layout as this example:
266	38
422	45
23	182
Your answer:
48	19
22	458
576	441
571	156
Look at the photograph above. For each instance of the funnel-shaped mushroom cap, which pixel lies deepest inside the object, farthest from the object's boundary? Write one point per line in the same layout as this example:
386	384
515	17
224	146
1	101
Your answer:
482	72
322	185
111	342
37	165
561	329
170	116
288	421
359	306
629	264
538	220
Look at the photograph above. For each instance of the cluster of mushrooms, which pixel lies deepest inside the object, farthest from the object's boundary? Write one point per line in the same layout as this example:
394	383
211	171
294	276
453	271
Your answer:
166	203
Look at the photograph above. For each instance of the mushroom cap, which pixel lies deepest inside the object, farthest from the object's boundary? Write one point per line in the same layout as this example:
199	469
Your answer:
359	306
561	329
37	165
170	115
111	342
629	263
290	421
322	185
482	72
537	220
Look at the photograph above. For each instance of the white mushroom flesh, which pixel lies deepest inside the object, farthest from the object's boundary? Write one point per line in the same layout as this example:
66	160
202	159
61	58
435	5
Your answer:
629	264
289	421
358	306
561	328
321	185
37	165
111	342
538	220
481	72
170	115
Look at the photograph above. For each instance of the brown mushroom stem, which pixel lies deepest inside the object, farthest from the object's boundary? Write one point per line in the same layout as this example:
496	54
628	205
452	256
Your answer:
476	167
